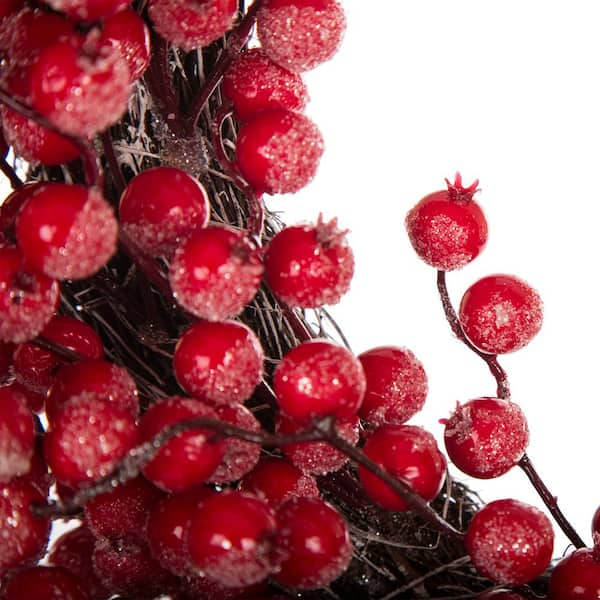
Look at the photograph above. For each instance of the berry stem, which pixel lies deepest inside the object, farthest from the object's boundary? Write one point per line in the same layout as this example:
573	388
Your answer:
503	387
113	164
15	182
550	501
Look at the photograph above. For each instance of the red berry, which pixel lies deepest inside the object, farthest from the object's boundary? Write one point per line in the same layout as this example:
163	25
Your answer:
9	7
44	583
229	539
160	207
448	228
577	576
215	273
188	459
319	378
308	266
12	205
219	362
192	24
193	588
300	34
278	151
500	313
596	522
486	437
88	10
408	453
6	362
396	385
510	542
254	82
28	298
314	542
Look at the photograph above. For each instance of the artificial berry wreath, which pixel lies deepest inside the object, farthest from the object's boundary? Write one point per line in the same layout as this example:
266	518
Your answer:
164	386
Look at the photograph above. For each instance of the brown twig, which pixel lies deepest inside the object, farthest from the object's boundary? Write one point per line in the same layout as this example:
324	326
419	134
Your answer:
15	182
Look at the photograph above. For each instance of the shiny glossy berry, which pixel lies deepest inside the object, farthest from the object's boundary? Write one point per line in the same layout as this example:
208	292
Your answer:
448	228
510	542
88	10
408	453
396	385
301	34
44	583
314	542
67	231
486	437
308	266
219	362
501	313
254	82
577	576
319	378
278	151
188	459
194	24
161	207
215	273
230	539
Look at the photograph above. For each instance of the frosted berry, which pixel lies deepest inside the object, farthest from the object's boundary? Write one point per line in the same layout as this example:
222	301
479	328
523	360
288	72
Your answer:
215	273
254	82
194	24
219	362
230	539
9	7
188	459
161	207
448	228
319	378
88	10
408	453
278	151
193	588
396	385
510	542
28	298
314	542
500	313
486	437
300	35
577	576
44	583
67	231
308	266
6	361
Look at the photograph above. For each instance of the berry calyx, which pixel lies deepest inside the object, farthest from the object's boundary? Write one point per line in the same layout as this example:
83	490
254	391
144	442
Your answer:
577	576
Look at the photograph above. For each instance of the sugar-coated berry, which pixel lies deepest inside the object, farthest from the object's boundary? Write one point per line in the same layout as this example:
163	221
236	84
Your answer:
510	542
314	542
408	453
230	539
187	459
396	385
44	583
219	362
447	228
309	266
192	24
67	231
576	576
193	588
88	10
253	82
215	272
301	34
278	151
161	207
500	313
486	437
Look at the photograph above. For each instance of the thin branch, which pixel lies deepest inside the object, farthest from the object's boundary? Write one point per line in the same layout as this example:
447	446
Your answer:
15	182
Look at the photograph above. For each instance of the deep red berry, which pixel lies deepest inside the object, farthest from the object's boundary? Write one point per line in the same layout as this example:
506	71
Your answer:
300	34
448	228
193	588
6	362
278	151
510	542
408	453
254	82
500	313
215	273
577	576
9	7
88	10
230	537
596	522
28	298
161	207
314	542
486	437
396	385
11	206
44	583
500	595
194	24
319	378
308	266
220	362
188	459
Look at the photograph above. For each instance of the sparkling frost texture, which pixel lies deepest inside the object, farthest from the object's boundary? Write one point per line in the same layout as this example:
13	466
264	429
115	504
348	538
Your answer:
510	542
16	434
300	34
88	10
